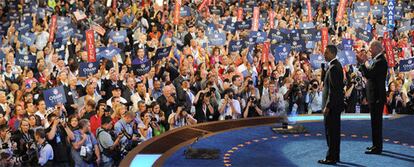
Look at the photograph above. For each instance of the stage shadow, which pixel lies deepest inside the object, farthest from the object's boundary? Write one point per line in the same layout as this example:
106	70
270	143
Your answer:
399	156
348	164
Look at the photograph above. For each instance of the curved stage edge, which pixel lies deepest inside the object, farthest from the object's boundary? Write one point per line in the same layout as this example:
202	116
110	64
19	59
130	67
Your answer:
171	141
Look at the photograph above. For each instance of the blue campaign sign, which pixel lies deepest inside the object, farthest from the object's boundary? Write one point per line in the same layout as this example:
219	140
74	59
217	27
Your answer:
363	35
201	22
342	59
306	25
308	34
347	57
280	52
407	64
391	13
185	11
347	44
86	69
318	36
248	41
358	23
361	15
13	16
316	60
65	31
54	96
298	46
63	21
294	35
27	38
398	14
362	6
377	10
310	45
405	26
242	25
259	36
79	35
2	54
278	35
217	39
41	13
161	53
381	29
23	27
25	61
107	52
27	20
248	8
59	42
142	68
118	36
217	10
235	46
230	27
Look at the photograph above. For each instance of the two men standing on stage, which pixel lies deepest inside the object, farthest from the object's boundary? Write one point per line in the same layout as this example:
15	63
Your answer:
333	98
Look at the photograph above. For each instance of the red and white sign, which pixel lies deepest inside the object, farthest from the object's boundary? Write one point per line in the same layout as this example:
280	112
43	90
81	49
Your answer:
255	24
52	28
100	30
308	4
79	15
341	10
265	53
325	39
90	45
272	19
203	5
177	11
388	50
240	14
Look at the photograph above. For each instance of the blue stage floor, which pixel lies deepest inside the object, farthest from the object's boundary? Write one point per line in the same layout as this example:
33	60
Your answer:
260	146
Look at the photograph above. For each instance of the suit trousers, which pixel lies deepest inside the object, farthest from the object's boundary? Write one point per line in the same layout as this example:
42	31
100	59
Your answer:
376	110
332	122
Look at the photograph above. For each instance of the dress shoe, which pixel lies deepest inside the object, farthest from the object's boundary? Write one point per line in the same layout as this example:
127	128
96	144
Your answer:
327	162
370	148
373	151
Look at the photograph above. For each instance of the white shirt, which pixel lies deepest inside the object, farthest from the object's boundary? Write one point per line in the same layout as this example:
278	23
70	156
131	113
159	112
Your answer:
227	109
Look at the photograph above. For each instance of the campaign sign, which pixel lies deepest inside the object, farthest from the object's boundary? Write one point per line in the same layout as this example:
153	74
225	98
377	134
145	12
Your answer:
377	10
298	46
381	29
278	35
118	36
407	64
316	60
259	36
306	25
347	44
280	52
13	16
23	27
363	35
358	23
242	25
161	53
248	8
142	68
65	31
201	22
79	35
294	35
318	36
362	6
342	59
54	96
235	46
349	55
390	13
63	21
249	41
230	27
185	11
87	69
361	15
107	53
308	34
41	13
217	10
217	39
90	45
25	60
405	26
27	38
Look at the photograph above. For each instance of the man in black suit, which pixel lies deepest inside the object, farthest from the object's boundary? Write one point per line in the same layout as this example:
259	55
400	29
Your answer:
376	75
333	105
190	35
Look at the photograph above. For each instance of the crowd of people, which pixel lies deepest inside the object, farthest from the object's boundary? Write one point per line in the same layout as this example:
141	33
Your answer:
158	69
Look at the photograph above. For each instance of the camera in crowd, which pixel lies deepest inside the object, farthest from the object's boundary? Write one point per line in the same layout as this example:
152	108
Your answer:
359	82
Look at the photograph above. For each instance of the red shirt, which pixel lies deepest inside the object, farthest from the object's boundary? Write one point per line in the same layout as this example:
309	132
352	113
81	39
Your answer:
95	123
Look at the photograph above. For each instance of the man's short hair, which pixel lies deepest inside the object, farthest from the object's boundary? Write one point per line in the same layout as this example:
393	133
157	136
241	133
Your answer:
332	49
41	133
83	123
106	120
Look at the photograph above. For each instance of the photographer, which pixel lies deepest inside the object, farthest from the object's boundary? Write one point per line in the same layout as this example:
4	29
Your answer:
125	126
45	149
314	97
23	139
180	118
229	107
85	150
56	134
6	151
205	111
295	98
252	109
249	90
272	101
396	100
144	127
109	143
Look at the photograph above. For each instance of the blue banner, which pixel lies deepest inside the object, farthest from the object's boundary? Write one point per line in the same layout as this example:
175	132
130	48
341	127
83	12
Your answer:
200	22
87	69
278	35
217	10
13	16
242	25
280	52
107	52
405	26
347	44
27	38
347	57
358	23
362	6
390	13
316	60
63	21
142	68
79	35
306	25
308	34
118	36
235	46
258	36
298	46
249	41
407	64
230	27
294	35
363	35
217	39
65	31
54	96
377	10
161	53
381	29
41	13
185	11
25	61
23	27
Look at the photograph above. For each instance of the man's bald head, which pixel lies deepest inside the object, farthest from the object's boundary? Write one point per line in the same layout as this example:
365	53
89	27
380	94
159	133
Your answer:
376	48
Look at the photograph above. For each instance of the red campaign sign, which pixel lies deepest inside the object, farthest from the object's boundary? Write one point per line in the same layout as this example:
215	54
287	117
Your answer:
240	14
341	10
114	4
52	28
255	25
202	5
325	39
100	30
308	3
388	50
90	45
177	11
271	18
265	55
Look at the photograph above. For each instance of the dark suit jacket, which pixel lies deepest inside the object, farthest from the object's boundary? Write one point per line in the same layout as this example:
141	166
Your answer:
187	39
200	116
376	75
333	91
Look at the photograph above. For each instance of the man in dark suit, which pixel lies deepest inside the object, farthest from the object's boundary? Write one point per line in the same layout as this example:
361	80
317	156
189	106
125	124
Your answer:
376	75
333	105
190	35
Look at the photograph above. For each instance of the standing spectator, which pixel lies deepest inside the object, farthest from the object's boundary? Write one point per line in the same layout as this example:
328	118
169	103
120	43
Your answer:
46	153
109	147
85	150
229	107
272	101
56	135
